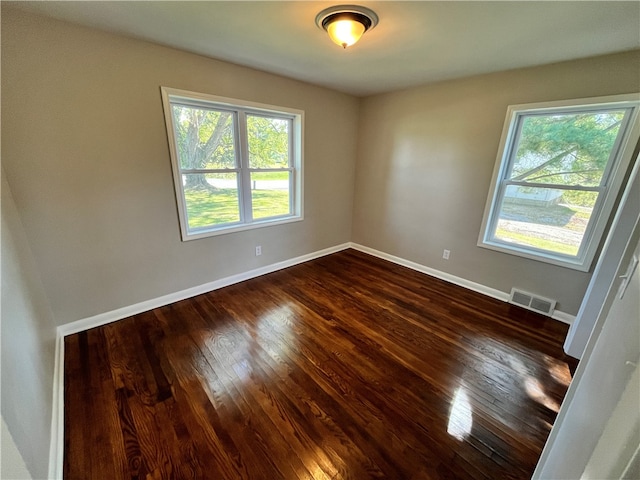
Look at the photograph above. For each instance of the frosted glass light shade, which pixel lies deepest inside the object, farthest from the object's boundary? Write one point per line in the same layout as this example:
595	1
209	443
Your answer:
345	24
345	32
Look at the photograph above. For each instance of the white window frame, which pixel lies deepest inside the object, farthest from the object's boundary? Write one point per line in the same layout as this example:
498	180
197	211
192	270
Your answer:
240	109
614	176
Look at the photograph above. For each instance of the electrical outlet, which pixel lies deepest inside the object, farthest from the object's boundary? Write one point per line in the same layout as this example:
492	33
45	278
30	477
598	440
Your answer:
258	250
446	254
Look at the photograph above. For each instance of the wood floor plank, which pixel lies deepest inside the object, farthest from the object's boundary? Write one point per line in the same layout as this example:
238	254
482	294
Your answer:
313	367
74	433
309	423
344	367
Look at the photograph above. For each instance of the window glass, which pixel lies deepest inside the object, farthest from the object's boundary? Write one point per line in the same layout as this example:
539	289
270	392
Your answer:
204	138
567	149
216	204
235	165
545	218
268	142
558	173
270	194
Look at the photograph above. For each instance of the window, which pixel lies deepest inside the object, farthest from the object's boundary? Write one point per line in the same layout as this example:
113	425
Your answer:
236	165
559	169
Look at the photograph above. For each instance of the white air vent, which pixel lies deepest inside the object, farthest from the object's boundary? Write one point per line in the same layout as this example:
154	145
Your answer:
532	302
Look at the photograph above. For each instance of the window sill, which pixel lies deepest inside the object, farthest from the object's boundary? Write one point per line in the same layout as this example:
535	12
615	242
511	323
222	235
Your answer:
582	265
238	227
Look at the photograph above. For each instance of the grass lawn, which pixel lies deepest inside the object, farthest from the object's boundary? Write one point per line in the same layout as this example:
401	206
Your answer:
572	217
536	242
271	175
214	207
555	228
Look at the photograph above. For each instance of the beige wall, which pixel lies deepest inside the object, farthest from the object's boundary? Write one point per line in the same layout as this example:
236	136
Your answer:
11	464
27	334
89	215
85	153
425	161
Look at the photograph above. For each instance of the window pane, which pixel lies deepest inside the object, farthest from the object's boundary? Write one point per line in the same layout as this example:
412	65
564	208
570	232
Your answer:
211	199
545	218
268	140
204	138
566	149
270	194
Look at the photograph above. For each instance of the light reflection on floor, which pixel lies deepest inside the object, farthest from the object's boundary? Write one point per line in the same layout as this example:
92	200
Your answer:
279	323
558	370
461	415
233	346
532	386
536	392
536	384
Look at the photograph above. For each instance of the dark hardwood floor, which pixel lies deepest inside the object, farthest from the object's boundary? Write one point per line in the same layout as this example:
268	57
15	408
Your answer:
345	367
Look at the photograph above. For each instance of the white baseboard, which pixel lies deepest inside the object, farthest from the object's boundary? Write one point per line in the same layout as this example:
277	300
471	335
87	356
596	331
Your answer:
447	277
56	451
563	317
56	446
124	312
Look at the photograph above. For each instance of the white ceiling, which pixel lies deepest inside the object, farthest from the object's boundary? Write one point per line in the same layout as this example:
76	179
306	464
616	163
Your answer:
415	42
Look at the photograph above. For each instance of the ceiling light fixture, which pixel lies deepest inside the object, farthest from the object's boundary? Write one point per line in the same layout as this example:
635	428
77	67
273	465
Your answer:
345	24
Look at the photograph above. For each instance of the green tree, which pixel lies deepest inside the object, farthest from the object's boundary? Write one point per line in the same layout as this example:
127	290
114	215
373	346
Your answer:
567	149
268	140
204	140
